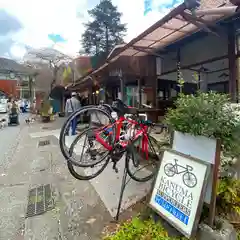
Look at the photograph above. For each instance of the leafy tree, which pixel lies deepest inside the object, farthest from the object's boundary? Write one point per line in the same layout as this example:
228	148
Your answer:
104	31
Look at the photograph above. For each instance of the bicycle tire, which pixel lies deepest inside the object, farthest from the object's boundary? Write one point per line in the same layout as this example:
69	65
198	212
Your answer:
83	176
63	147
171	167
184	181
75	141
130	156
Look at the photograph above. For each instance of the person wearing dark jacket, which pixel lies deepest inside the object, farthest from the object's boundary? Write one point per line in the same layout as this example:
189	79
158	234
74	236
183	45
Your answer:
72	105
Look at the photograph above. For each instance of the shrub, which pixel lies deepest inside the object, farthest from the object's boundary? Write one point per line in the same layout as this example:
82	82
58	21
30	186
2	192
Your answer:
207	114
136	229
228	196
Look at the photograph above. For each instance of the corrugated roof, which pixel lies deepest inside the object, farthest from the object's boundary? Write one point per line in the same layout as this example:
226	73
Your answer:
171	28
115	50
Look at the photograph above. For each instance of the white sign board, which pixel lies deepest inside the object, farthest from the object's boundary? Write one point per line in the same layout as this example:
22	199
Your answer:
198	147
178	191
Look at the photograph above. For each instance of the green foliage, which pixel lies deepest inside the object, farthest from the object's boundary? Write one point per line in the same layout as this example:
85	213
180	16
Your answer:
207	114
137	229
105	30
181	81
228	195
238	235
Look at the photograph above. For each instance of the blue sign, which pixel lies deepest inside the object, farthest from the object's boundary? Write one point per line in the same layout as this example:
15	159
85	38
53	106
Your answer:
171	209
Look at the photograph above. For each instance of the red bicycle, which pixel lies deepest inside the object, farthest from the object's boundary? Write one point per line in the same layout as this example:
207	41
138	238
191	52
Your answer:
109	140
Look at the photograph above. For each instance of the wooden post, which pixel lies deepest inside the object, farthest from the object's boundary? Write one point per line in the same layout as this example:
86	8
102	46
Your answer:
122	87
140	92
154	86
179	69
215	170
232	63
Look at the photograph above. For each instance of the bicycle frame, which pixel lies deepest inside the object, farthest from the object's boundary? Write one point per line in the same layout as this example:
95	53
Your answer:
177	166
119	123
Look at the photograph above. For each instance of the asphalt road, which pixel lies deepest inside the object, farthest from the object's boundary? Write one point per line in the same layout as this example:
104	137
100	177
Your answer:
8	140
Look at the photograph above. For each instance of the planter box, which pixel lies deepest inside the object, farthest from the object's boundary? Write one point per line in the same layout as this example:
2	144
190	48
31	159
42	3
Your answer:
226	231
199	147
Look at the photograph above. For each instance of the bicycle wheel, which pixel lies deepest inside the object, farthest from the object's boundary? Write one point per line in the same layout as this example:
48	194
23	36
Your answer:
169	170
85	151
85	111
85	173
148	167
189	179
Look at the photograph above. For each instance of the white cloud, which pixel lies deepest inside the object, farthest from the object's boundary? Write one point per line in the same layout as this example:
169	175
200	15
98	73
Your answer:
40	18
133	15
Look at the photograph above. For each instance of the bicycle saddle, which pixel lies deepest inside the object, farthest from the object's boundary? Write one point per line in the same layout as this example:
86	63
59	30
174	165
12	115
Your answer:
120	107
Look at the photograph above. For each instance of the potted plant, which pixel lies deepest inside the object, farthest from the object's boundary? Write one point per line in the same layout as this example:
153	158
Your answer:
202	118
208	115
46	111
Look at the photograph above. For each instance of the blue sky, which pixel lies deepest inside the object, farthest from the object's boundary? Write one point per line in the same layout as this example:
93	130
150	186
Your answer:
29	22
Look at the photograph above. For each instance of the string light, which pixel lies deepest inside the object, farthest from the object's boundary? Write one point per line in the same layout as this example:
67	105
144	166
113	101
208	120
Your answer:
178	71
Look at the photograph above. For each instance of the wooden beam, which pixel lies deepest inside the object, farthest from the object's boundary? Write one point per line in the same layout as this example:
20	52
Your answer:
201	20
196	64
145	51
216	11
232	63
151	48
173	29
198	24
140	92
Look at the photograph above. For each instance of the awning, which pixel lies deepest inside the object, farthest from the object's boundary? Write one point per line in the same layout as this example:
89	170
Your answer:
168	30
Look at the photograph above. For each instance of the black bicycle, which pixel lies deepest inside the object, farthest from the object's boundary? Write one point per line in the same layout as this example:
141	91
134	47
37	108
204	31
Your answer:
189	179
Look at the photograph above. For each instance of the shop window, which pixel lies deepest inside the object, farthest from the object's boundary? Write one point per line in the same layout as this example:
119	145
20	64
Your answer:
132	96
25	94
221	87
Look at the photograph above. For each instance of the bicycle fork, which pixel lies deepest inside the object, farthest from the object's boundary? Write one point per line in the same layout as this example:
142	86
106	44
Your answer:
145	145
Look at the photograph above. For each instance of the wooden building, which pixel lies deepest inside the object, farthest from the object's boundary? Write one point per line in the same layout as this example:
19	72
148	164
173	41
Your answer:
203	50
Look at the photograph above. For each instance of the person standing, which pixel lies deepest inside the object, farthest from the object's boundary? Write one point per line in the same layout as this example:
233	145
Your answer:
9	105
22	106
72	105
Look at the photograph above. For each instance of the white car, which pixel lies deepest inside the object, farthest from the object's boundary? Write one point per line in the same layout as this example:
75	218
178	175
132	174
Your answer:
3	105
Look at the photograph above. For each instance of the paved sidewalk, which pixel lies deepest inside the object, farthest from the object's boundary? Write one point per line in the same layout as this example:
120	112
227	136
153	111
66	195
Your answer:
3	116
78	211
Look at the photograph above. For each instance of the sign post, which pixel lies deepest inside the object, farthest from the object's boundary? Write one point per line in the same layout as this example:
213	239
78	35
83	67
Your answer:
208	150
212	208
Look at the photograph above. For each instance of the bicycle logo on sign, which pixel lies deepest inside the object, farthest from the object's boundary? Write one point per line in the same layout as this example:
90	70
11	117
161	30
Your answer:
189	179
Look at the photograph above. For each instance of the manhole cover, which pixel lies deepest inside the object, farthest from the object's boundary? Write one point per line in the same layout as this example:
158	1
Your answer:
39	200
43	143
